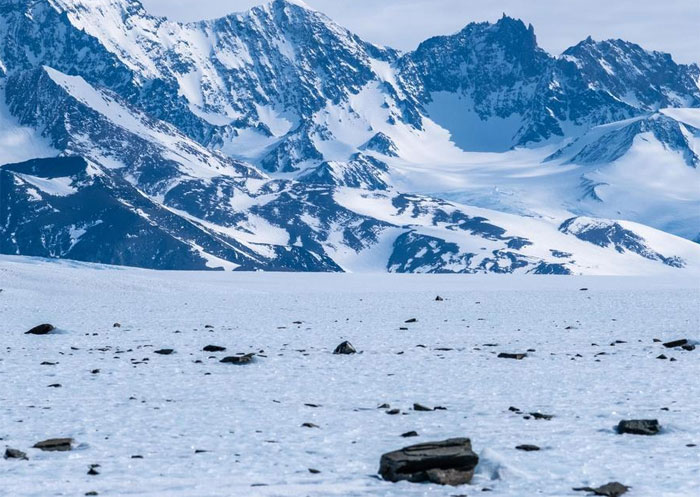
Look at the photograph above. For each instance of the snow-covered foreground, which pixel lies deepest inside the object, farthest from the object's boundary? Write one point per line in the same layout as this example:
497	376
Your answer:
248	418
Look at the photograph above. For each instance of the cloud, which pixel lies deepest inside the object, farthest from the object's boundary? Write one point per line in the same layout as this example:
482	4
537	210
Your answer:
669	25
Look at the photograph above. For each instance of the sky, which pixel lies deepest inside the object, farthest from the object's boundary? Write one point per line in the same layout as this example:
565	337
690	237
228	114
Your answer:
666	25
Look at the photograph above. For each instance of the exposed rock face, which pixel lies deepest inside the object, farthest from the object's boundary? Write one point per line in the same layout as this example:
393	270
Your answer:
639	427
448	462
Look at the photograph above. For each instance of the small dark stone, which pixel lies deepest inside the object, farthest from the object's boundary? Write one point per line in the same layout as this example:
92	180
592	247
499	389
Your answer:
539	415
688	347
93	472
208	327
345	348
213	348
239	359
513	409
164	351
91	493
95	371
505	355
661	357
42	329
55	445
412	320
116	325
55	385
528	448
448	462
583	289
409	434
393	412
310	425
439	299
612	489
384	406
420	407
314	471
137	456
15	454
639	427
675	343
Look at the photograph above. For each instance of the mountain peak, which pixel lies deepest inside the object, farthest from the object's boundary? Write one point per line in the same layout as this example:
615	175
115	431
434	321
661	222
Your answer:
296	3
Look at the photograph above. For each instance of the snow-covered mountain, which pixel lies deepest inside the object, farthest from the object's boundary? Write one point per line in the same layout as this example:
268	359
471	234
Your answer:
277	140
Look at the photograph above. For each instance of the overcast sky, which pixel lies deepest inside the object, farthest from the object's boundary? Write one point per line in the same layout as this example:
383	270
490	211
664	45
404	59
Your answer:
667	25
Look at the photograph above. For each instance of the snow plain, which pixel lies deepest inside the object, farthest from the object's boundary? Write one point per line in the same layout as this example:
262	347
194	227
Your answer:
248	418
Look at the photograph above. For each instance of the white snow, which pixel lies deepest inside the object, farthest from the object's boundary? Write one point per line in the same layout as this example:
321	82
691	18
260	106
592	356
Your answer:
19	143
455	112
248	418
60	187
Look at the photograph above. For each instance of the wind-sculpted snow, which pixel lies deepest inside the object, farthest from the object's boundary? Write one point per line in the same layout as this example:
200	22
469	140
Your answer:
275	139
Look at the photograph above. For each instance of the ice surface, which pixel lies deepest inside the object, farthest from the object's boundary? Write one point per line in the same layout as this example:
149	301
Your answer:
249	417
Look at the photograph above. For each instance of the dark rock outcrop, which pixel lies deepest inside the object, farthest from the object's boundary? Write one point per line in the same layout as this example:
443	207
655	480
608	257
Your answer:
15	454
612	489
55	445
639	427
239	359
42	329
448	462
345	348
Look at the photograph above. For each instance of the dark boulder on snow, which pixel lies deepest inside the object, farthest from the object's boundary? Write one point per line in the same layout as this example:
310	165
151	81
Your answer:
345	348
505	355
639	427
55	445
213	348
42	329
448	462
239	359
528	448
676	343
164	351
612	489
15	454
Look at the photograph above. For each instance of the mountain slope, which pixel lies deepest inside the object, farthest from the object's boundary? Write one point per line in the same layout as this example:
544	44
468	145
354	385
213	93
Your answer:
277	140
